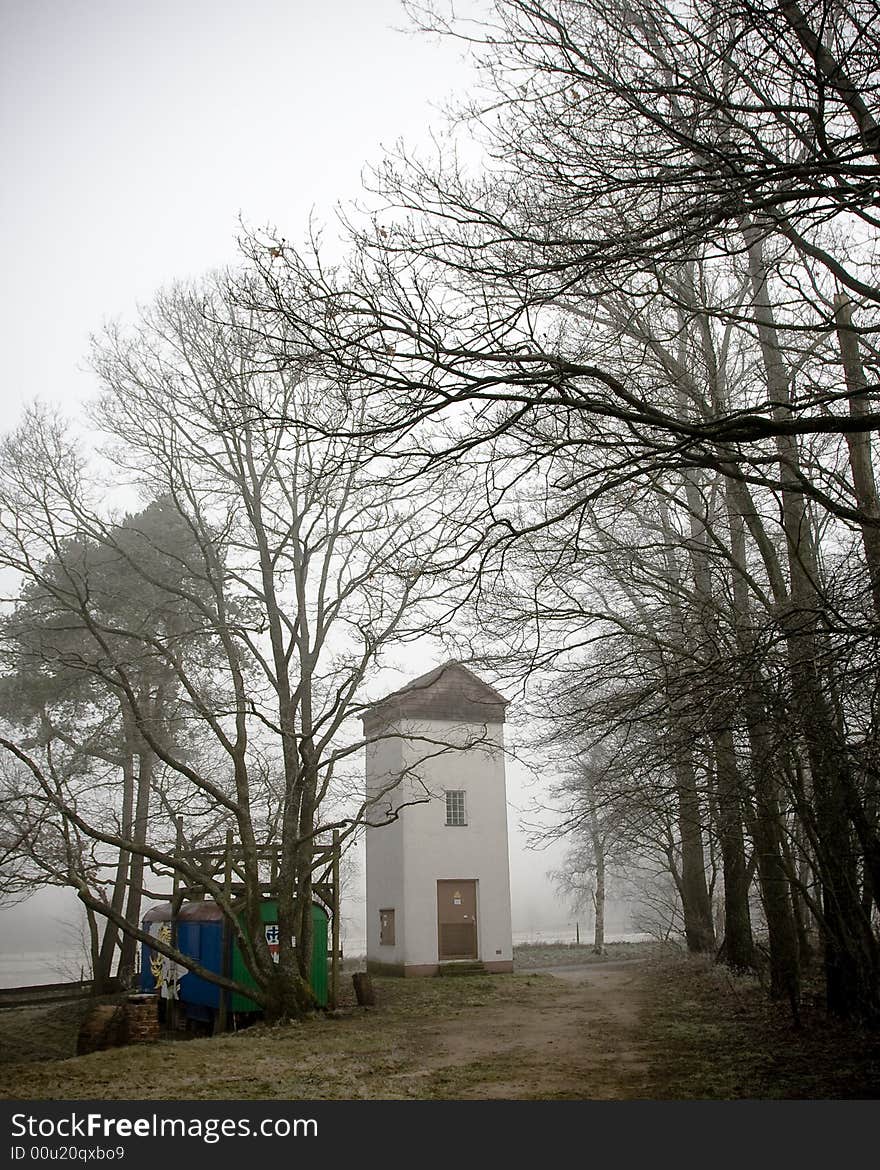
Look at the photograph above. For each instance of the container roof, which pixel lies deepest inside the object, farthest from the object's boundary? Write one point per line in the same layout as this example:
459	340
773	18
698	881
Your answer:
159	913
450	691
201	910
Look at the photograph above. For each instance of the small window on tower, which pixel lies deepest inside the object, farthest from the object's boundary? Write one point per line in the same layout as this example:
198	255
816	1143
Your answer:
456	814
386	928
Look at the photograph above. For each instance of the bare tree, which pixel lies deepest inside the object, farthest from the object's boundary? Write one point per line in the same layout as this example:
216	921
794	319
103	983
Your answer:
306	560
600	830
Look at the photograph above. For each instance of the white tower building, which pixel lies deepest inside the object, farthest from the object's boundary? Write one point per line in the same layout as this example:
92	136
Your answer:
438	876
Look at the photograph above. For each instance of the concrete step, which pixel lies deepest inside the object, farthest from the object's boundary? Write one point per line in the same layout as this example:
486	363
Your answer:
461	967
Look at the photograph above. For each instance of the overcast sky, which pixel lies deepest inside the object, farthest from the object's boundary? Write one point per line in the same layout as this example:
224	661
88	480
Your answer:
134	136
136	133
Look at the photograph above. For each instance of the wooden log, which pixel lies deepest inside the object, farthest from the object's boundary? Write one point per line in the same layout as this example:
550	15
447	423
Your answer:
363	989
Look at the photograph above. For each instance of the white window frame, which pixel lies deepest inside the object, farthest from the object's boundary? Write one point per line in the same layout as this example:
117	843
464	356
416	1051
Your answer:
456	809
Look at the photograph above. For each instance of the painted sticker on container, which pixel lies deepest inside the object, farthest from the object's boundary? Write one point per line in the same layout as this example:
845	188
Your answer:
165	972
272	940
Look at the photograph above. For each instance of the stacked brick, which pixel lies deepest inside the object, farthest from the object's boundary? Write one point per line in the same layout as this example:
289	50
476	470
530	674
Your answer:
142	1019
111	1025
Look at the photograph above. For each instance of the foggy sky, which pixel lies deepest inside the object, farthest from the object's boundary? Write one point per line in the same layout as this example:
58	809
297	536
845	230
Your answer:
134	136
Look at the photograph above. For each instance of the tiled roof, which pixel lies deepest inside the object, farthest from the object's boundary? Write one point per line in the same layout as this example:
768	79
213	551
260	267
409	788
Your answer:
450	691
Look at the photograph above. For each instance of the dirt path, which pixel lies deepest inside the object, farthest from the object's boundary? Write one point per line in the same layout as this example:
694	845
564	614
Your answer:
615	982
582	1041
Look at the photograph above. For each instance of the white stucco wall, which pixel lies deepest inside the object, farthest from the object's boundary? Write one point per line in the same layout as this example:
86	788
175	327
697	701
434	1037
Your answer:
405	861
384	848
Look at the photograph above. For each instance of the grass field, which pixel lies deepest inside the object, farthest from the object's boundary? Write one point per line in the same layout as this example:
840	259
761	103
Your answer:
530	956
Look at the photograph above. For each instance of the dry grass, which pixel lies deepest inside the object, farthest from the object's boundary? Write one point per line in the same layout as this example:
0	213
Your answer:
39	1033
669	1028
715	1035
357	1053
532	956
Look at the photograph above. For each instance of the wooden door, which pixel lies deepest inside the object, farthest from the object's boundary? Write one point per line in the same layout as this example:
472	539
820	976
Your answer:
457	919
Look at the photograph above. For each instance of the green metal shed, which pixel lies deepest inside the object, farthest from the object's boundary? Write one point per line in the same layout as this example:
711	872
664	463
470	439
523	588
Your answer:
269	916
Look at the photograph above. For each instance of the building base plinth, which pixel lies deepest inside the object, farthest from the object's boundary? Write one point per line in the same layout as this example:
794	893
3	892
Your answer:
421	970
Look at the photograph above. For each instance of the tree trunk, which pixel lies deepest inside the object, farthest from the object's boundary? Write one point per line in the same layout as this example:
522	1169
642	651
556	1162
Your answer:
599	906
765	824
738	947
851	953
599	894
104	966
128	951
859	444
696	904
766	829
94	957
